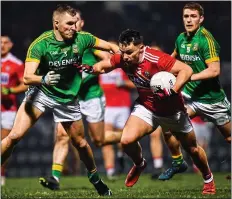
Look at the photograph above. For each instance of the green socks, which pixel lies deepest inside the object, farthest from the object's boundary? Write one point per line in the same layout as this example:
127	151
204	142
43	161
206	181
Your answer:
94	177
177	160
57	170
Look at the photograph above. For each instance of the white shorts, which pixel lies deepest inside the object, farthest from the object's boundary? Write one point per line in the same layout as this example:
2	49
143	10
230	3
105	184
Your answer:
217	113
180	122
93	109
203	132
7	119
117	116
61	112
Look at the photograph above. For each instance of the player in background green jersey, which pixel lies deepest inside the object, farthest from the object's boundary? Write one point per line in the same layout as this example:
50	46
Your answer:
204	95
54	83
92	105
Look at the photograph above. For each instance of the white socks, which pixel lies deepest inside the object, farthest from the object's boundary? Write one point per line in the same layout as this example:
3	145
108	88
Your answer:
110	171
158	163
209	180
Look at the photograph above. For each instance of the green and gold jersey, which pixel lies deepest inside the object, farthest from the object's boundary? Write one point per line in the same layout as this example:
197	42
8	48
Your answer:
197	51
60	56
90	87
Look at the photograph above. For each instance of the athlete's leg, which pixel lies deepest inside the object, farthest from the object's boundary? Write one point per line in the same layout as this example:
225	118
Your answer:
226	131
76	131
93	109
203	132
108	154
198	155
4	133
178	163
120	158
26	116
112	137
96	132
60	153
134	129
189	143
60	150
156	147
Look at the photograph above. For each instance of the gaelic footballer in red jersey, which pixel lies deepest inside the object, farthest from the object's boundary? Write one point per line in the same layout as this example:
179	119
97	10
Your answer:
116	87
140	63
11	84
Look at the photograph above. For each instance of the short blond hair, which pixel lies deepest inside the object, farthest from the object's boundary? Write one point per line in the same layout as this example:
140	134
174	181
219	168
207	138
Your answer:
64	8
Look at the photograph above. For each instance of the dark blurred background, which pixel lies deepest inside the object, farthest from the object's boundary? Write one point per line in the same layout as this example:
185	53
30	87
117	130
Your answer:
159	22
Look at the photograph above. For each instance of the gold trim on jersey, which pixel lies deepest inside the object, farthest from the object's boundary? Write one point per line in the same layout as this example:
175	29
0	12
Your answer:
97	41
44	36
96	51
212	49
213	59
32	60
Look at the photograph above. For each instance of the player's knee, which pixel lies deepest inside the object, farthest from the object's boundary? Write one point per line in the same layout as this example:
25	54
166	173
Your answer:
194	150
12	139
98	143
125	141
62	138
79	142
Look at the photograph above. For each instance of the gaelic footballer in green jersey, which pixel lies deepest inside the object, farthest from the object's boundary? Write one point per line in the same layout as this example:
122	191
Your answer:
59	56
91	105
198	48
204	95
197	51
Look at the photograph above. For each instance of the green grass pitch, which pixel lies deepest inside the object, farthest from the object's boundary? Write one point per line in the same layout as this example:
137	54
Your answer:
181	186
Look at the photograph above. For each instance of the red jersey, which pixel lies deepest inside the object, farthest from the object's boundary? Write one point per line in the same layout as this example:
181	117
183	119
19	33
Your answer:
114	95
11	72
151	62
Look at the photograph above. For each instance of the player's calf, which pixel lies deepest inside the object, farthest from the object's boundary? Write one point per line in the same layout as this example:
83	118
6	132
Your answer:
12	139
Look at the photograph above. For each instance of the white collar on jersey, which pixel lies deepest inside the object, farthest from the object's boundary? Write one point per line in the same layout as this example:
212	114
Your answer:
141	56
7	57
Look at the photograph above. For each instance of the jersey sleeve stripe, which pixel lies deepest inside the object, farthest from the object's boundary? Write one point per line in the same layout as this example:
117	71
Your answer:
212	41
211	44
36	41
97	41
212	60
32	60
96	52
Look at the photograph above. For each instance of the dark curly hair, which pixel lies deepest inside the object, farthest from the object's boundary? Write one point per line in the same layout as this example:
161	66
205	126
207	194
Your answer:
128	36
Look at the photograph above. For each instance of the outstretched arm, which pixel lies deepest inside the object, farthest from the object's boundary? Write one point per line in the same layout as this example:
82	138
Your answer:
103	66
104	45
